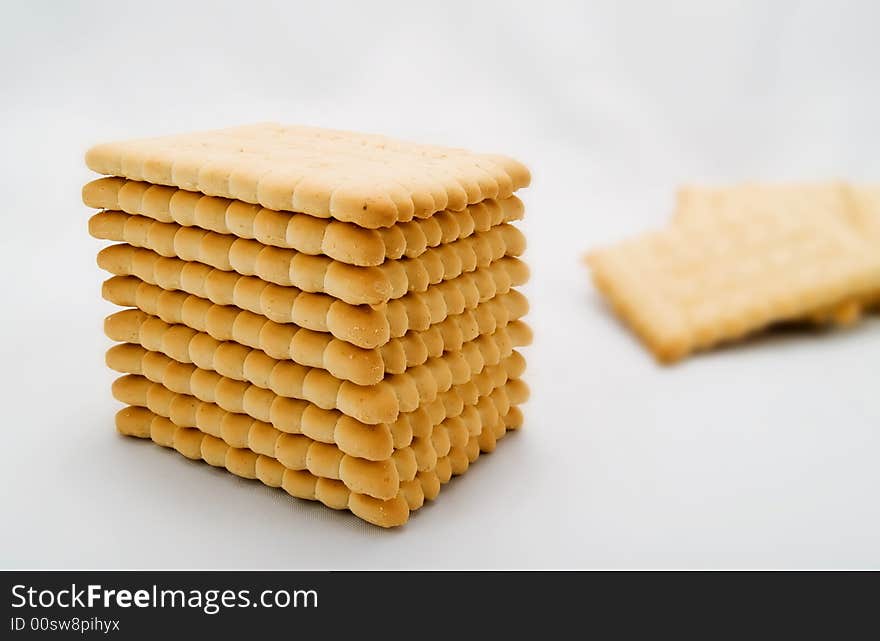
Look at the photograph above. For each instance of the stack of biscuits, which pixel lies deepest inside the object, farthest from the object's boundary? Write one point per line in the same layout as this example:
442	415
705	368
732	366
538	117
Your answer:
331	313
737	259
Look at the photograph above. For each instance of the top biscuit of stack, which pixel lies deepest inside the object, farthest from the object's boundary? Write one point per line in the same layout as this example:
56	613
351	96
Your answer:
371	181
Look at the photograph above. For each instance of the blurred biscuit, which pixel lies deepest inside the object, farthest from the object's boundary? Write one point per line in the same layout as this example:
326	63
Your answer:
716	279
750	202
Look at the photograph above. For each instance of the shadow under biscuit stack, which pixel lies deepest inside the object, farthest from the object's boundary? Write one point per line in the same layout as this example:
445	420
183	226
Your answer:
334	314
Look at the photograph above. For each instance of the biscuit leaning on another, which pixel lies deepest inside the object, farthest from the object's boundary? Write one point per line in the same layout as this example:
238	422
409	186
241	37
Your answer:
717	277
853	205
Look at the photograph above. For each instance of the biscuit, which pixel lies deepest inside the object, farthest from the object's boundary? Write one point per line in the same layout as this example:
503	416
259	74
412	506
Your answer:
418	452
378	403
363	326
316	349
865	214
371	181
753	201
377	478
301	416
695	285
344	242
195	444
314	274
371	442
866	210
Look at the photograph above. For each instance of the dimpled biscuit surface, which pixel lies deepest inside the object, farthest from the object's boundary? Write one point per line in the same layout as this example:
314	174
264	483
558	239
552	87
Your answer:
371	181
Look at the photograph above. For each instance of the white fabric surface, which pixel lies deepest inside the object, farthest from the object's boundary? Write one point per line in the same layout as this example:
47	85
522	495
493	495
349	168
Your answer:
763	455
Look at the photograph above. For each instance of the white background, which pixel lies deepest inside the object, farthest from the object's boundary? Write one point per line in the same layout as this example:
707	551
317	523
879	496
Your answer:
762	455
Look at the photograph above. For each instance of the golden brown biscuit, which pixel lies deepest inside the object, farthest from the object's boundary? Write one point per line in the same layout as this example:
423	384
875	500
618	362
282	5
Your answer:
240	362
230	323
372	181
698	284
750	202
378	403
321	407
316	274
316	349
377	478
196	444
363	326
344	242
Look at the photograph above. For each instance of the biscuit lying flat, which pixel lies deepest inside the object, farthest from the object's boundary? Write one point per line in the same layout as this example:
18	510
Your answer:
380	479
696	285
179	397
344	242
198	445
372	181
363	326
415	452
375	403
246	463
288	407
315	349
289	268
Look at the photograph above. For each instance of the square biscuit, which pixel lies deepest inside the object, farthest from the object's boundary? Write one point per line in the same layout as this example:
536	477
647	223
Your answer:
198	444
361	325
340	241
371	181
256	383
380	478
244	362
355	285
155	382
752	201
694	285
867	210
307	347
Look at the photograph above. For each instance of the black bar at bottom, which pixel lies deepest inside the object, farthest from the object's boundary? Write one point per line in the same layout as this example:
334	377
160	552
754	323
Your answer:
134	604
